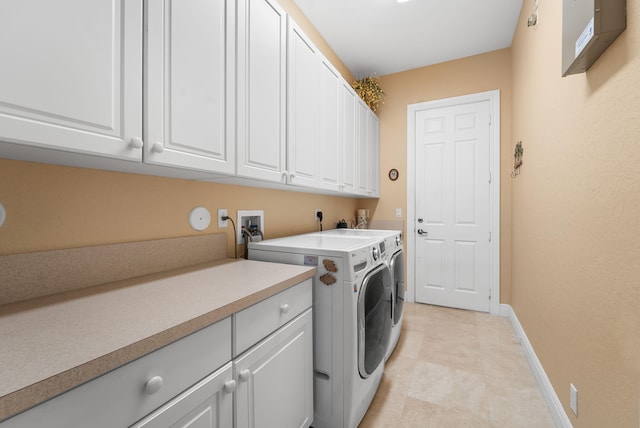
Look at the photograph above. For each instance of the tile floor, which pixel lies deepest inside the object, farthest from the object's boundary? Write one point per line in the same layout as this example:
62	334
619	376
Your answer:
455	368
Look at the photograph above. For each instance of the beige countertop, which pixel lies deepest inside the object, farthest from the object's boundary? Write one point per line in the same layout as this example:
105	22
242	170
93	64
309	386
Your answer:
52	344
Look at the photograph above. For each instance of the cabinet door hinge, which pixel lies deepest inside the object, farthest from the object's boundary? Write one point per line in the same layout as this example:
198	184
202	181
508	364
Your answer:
490	178
489	294
489	236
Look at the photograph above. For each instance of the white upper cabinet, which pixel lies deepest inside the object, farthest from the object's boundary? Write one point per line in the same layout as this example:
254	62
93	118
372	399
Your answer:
261	90
348	137
374	155
189	80
367	151
362	148
226	90
71	75
329	155
303	110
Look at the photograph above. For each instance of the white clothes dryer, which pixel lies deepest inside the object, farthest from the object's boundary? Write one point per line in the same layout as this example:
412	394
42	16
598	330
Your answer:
393	253
351	319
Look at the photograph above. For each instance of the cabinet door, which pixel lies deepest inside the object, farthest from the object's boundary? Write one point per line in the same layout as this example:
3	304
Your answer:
348	137
275	379
189	84
208	404
329	142
362	148
262	43
303	112
71	75
374	155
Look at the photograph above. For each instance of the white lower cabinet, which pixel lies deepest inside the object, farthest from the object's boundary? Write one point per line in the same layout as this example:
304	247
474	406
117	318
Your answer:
208	404
275	376
275	379
193	381
129	393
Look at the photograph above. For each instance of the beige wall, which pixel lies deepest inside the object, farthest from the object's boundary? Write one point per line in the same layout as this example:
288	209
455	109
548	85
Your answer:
576	217
53	207
466	76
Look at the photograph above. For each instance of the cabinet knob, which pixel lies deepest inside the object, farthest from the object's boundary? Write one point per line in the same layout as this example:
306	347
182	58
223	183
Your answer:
244	375
153	385
136	143
157	147
284	308
230	386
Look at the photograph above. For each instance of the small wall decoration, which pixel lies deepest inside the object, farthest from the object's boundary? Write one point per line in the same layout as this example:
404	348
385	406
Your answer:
393	174
517	159
368	88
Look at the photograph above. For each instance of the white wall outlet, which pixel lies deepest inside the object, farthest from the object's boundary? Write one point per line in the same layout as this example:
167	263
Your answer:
222	212
398	212
573	399
315	214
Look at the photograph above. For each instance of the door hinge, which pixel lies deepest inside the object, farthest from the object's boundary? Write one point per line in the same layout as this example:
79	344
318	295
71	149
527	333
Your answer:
490	178
489	236
489	119
489	294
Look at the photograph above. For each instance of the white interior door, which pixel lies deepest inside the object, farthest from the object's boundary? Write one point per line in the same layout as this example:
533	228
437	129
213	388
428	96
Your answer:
452	206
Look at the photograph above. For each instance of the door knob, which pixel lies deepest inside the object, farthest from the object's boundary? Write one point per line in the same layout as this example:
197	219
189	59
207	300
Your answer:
422	232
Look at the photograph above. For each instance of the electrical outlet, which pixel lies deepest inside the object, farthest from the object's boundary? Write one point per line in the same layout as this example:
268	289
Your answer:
573	399
222	212
315	214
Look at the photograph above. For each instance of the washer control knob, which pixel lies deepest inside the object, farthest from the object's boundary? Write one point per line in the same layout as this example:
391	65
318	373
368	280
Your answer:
375	253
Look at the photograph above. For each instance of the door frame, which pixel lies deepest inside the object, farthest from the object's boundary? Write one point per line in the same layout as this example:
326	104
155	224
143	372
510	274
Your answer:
493	97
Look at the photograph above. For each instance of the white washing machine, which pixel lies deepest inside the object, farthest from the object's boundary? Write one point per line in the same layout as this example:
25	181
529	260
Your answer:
393	254
351	319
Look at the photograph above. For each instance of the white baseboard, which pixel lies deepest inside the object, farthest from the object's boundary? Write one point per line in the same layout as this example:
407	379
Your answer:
558	414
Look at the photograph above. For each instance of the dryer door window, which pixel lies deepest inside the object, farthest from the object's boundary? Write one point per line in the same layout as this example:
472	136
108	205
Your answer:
397	270
374	319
